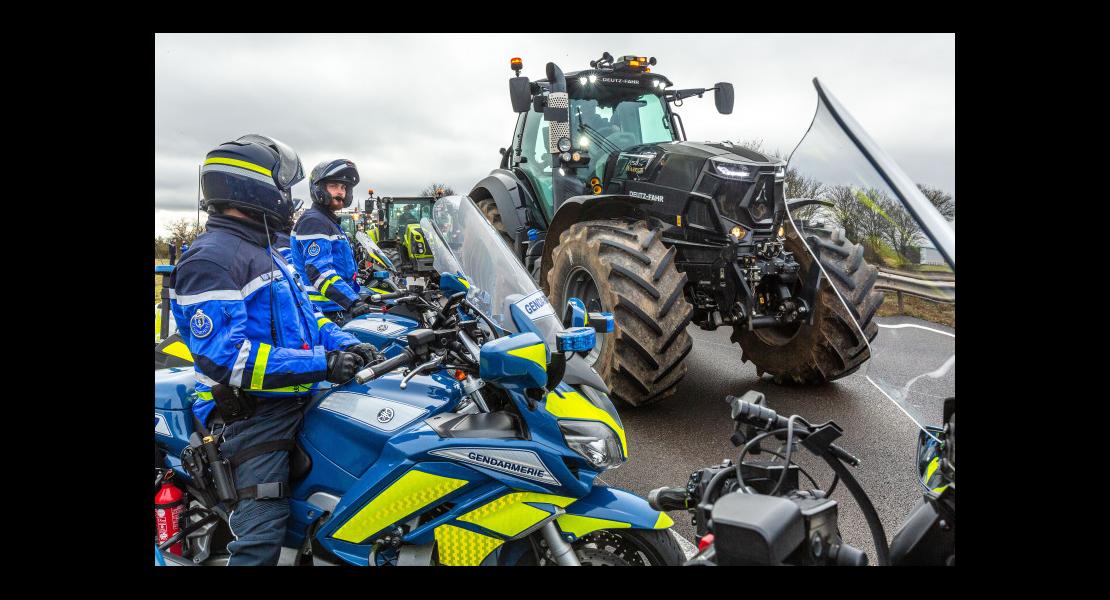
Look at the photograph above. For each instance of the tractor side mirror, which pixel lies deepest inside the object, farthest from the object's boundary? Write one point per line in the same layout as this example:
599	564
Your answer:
520	94
724	97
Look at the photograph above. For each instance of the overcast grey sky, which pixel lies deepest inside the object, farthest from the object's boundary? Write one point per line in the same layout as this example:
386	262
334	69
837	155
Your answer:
409	109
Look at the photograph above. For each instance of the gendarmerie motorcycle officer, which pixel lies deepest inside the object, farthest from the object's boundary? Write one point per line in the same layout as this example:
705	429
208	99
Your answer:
322	253
259	347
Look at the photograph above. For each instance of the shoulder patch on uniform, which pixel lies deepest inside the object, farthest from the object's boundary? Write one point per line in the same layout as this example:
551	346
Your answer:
200	324
313	249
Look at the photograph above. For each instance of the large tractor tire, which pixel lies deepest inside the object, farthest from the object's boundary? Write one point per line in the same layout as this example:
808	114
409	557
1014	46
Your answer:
395	255
493	215
833	347
624	267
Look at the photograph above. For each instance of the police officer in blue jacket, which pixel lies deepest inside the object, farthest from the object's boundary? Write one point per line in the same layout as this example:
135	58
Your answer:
258	345
321	251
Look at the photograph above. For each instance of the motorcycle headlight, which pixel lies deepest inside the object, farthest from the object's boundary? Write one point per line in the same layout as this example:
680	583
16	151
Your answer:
732	170
594	441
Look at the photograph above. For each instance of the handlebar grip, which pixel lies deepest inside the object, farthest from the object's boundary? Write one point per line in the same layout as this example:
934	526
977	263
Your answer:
404	358
668	499
756	415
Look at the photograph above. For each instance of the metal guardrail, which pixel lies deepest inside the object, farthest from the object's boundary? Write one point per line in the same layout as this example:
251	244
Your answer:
930	287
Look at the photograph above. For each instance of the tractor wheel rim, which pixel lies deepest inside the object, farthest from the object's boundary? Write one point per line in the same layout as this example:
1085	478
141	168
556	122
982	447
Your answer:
580	284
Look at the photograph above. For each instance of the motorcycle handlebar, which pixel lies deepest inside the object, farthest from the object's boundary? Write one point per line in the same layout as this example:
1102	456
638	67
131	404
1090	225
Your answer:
765	418
389	296
666	499
405	358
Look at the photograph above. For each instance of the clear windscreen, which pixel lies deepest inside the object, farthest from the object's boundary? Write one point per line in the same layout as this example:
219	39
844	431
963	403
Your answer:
893	229
373	250
464	242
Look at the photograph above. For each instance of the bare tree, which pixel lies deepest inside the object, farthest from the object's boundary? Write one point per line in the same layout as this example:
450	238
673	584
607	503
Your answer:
903	233
437	189
183	231
943	201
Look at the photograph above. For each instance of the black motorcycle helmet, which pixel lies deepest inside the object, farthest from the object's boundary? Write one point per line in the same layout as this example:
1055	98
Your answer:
255	174
339	170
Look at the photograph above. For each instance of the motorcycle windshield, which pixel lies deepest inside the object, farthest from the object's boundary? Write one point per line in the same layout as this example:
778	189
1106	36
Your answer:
866	198
464	242
371	248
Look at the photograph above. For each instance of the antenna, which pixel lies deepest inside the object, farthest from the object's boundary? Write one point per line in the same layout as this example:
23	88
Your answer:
199	168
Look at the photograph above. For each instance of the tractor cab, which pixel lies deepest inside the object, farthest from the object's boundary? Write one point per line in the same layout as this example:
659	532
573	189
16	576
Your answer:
400	236
614	106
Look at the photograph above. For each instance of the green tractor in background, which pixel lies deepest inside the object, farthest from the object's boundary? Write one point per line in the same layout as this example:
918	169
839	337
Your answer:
399	234
603	198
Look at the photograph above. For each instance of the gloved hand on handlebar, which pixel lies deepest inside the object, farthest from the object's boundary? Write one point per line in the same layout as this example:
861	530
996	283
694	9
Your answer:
358	308
368	352
342	366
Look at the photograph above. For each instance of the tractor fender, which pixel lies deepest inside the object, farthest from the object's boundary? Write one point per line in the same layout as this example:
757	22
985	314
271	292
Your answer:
610	508
588	208
502	186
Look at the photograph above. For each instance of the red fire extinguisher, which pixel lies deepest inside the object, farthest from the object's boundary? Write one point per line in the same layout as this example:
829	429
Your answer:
169	503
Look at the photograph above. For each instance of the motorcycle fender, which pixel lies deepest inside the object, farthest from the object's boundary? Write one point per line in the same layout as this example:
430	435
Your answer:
610	508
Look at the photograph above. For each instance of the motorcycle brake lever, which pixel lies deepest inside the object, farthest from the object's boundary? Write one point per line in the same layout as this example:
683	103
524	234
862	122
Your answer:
431	363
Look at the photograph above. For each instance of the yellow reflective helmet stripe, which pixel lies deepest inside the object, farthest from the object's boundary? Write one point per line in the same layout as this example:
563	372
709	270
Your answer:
460	547
572	405
322	321
327	284
219	160
536	353
260	366
580	526
411	492
510	515
466	284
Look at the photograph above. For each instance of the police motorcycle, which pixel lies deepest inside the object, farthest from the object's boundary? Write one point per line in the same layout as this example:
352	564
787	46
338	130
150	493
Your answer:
478	443
758	510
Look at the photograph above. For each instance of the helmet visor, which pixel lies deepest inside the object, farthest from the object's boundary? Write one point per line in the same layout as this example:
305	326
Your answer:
289	170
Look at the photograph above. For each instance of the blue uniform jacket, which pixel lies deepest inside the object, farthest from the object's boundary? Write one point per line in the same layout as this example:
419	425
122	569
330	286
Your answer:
281	244
324	259
223	294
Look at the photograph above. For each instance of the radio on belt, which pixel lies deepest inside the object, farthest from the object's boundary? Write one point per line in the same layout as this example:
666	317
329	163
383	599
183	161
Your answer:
576	339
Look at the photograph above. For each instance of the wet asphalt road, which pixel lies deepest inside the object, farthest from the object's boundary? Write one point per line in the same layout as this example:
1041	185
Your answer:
691	429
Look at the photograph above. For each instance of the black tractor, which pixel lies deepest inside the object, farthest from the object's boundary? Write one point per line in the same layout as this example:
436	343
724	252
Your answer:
603	198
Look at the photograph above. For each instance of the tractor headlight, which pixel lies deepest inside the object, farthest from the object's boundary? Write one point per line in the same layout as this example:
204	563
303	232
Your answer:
780	174
564	144
594	441
732	170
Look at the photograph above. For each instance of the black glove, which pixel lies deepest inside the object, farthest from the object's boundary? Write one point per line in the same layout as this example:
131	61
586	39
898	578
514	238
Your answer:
368	352
342	366
358	308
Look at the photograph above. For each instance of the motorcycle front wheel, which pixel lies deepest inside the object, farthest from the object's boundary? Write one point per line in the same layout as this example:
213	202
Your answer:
618	548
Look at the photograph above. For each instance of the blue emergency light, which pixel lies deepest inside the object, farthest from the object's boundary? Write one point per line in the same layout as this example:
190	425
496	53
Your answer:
576	339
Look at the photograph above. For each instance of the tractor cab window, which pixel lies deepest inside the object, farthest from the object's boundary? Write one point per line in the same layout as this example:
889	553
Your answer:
614	120
537	163
612	123
402	214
